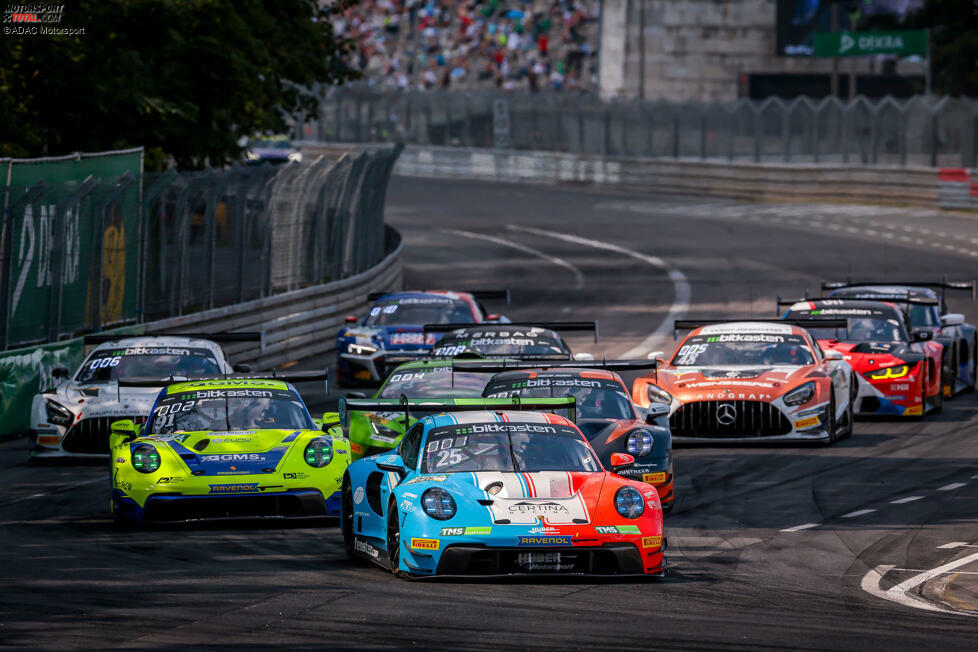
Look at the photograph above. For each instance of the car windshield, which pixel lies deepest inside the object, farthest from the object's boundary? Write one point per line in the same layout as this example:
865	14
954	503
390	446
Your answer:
764	349
924	315
595	398
507	447
433	382
270	144
420	310
221	410
147	361
500	342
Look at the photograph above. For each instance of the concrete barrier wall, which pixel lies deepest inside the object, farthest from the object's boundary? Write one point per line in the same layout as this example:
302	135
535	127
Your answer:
789	182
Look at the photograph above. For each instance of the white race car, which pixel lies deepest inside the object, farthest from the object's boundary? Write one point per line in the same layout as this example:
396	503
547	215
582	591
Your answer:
73	418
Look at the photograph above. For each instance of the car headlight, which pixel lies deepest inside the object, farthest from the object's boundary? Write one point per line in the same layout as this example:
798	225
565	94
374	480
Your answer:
318	453
145	459
803	394
887	373
438	504
58	414
658	395
629	502
361	349
251	156
295	157
639	443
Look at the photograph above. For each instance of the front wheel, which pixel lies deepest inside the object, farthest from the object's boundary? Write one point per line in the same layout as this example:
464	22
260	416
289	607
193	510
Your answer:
394	540
849	417
346	520
831	426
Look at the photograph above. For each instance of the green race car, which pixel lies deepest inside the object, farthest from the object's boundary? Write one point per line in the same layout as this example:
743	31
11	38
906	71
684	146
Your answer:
236	447
378	432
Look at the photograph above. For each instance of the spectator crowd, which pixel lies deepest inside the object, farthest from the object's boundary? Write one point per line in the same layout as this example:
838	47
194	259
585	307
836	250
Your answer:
510	44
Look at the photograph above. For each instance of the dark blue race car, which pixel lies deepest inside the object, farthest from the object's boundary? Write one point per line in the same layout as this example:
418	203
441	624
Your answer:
394	326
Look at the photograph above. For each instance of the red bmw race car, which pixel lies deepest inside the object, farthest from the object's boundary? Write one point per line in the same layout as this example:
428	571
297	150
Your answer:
899	373
751	381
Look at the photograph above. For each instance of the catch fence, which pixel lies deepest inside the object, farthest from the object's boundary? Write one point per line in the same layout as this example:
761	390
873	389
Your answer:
919	131
82	255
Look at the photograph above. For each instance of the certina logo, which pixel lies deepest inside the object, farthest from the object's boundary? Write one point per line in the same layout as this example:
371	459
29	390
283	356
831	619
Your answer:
232	393
726	414
504	427
746	337
236	457
538	508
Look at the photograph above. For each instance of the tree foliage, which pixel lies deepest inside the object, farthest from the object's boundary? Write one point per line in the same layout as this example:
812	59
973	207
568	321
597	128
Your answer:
185	78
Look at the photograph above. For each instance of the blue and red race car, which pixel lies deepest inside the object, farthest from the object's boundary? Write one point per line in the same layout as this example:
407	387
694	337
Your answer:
394	326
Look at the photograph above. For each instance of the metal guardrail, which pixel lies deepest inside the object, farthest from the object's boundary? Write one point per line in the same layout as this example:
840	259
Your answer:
198	241
920	131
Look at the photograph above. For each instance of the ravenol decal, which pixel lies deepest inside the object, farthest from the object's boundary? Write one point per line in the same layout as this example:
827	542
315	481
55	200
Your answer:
233	488
652	542
806	423
469	531
544	541
654	478
425	544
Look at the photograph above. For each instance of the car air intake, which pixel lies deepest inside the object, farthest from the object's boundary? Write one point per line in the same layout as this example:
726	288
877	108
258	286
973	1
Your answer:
722	419
91	436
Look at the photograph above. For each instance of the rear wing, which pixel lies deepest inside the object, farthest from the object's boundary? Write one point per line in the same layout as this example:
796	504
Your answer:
691	324
439	405
560	326
284	376
943	285
220	338
478	295
499	366
904	299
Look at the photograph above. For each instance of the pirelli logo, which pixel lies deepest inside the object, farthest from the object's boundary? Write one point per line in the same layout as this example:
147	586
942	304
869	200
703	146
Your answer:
424	544
652	542
806	423
654	478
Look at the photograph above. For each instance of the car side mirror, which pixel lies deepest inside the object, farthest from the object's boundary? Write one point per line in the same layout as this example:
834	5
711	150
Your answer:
832	354
621	461
356	395
583	356
60	372
493	316
350	319
654	411
330	420
242	368
391	462
952	319
655	355
921	336
122	432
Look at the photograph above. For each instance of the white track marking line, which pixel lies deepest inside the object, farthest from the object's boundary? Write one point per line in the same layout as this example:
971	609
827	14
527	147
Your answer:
681	288
952	486
805	526
858	512
917	580
54	491
952	544
908	499
560	262
871	585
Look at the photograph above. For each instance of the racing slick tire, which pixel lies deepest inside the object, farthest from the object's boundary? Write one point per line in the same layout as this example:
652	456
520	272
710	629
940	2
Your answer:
952	382
831	426
850	416
974	366
346	520
394	540
940	396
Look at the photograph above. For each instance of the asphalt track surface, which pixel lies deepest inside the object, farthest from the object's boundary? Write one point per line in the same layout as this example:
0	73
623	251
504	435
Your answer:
875	509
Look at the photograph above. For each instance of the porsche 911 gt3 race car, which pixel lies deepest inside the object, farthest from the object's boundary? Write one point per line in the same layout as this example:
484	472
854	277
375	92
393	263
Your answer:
377	432
520	341
235	447
73	418
897	373
605	412
927	310
394	326
752	381
499	493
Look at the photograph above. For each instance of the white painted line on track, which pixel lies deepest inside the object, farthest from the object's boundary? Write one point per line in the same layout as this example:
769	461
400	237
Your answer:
952	486
858	512
871	585
952	544
908	499
681	288
560	262
797	528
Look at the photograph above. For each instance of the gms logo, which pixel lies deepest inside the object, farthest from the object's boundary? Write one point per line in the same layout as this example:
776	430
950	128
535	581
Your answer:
544	541
233	488
236	457
502	428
